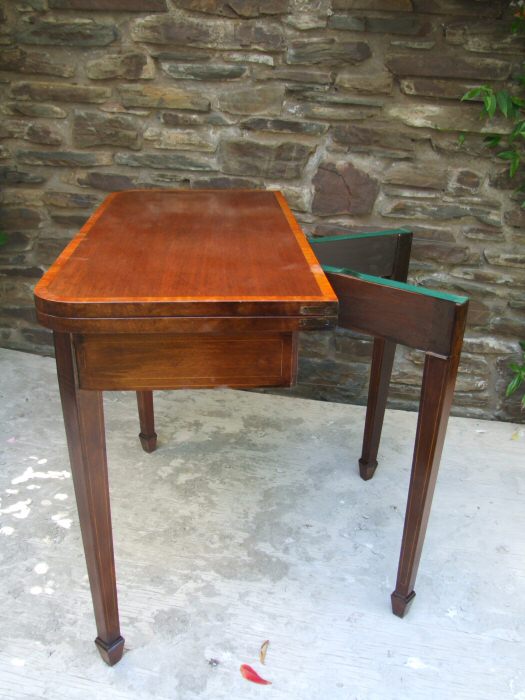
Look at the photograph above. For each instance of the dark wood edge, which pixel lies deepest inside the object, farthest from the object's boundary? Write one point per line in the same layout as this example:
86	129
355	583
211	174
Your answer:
401	315
402	256
188	324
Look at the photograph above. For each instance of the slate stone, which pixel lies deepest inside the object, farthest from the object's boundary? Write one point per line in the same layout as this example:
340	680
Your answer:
343	189
442	253
21	218
202	71
64	158
70	200
504	258
434	87
225	183
332	113
41	337
179	53
164	161
327	50
132	65
285	160
12	129
284	126
447	143
33	109
447	66
480	8
41	133
266	99
236	8
21	197
61	92
347	22
515	217
482	233
367	83
247	57
107	182
445	117
484	37
181	139
27	313
257	36
185	119
402	24
110	5
444	210
71	219
373	5
32	272
21	61
466	181
163	98
417	44
95	129
178	32
166	30
422	175
12	176
305	21
337	97
502	180
292	74
77	32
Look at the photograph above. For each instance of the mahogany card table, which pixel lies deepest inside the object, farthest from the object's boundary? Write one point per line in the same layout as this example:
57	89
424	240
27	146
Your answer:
167	290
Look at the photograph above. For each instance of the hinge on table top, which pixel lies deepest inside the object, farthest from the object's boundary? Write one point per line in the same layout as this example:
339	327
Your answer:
320	323
319	310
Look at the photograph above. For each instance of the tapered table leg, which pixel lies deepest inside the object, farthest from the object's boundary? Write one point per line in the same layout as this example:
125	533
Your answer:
380	373
147	435
439	378
84	421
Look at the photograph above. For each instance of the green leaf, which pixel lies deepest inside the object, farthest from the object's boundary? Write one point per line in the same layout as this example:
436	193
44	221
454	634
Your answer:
519	130
490	104
522	345
514	160
504	102
506	155
3	238
513	385
475	92
492	140
515	367
461	138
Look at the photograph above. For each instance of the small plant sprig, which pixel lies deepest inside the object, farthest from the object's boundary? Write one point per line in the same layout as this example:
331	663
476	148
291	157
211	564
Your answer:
518	378
512	107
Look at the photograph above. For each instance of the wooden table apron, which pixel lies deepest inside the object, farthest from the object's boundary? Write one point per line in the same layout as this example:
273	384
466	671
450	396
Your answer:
167	290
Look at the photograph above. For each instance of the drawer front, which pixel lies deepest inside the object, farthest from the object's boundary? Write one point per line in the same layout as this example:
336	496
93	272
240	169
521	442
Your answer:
140	362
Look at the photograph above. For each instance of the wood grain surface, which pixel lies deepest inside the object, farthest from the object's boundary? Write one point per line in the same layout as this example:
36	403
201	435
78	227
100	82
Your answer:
186	253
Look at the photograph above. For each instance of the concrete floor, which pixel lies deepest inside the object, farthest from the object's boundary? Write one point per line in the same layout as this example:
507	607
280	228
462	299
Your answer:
251	523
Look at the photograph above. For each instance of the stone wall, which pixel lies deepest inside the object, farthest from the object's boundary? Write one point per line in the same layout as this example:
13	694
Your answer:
350	107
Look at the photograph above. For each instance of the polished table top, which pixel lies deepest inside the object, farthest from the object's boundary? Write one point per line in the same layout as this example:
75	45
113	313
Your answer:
164	253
